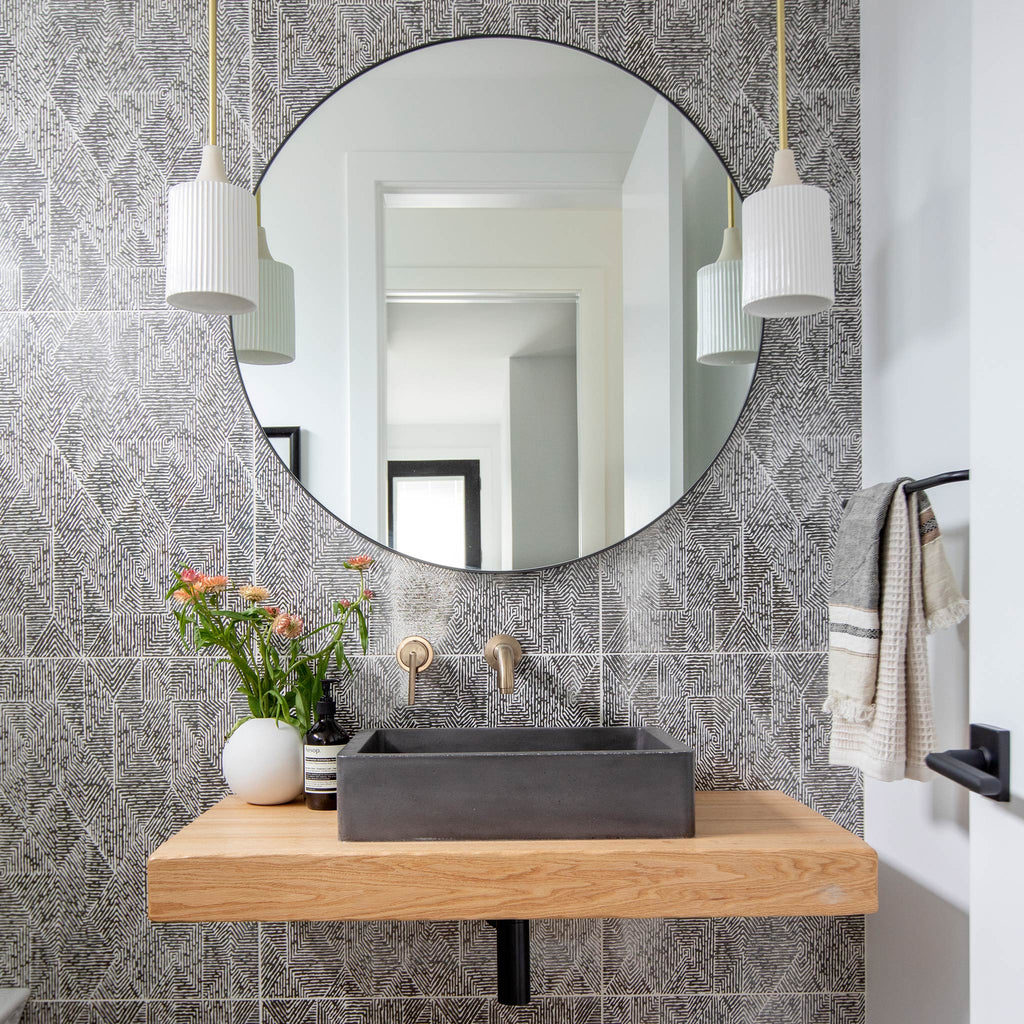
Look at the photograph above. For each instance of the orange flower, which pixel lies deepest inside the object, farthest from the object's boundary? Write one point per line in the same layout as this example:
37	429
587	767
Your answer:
250	592
212	584
359	562
184	595
288	626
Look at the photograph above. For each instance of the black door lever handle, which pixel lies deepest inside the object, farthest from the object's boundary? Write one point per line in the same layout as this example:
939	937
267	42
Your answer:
983	768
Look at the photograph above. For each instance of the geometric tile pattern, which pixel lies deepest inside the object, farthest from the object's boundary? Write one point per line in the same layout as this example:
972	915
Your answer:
127	446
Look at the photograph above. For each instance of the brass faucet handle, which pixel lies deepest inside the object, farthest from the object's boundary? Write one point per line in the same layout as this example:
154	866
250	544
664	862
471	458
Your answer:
503	653
415	653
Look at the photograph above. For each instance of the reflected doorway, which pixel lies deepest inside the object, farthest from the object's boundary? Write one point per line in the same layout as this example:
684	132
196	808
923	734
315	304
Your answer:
489	380
434	510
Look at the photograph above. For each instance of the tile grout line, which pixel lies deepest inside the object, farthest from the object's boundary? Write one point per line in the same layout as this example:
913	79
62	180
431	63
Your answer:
472	656
436	997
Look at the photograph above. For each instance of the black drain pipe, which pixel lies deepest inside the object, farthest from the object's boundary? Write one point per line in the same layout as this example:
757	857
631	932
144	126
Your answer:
513	962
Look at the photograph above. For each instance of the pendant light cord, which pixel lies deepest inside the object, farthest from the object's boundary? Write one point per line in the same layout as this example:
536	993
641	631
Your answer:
731	201
213	72
780	42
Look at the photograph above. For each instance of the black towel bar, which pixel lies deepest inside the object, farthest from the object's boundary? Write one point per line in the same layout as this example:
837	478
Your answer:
984	768
924	483
935	481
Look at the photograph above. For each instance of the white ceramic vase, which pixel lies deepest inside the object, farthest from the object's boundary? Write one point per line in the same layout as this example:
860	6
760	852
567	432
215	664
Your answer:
263	762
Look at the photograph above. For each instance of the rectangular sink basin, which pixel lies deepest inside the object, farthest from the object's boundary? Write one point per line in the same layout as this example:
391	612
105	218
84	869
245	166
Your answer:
521	783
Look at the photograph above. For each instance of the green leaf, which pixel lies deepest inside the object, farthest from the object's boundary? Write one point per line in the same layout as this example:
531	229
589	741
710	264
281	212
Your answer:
232	616
241	721
364	632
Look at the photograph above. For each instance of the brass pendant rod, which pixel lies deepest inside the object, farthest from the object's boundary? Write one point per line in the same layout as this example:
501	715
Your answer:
213	72
732	201
780	42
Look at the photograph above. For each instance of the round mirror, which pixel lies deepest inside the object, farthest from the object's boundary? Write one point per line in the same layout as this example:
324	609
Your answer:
492	358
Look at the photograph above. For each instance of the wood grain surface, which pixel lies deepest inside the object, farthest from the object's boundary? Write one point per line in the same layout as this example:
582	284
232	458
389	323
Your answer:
755	854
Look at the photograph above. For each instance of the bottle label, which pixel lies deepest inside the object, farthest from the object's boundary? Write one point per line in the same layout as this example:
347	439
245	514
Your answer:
320	766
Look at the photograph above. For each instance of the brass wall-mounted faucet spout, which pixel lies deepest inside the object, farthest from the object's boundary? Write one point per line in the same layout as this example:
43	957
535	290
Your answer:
415	654
503	653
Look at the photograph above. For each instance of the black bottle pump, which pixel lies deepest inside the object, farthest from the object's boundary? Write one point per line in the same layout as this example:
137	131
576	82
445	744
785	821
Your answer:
320	765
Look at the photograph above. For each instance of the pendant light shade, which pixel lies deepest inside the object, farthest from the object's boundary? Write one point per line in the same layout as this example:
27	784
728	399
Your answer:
211	242
787	270
267	335
725	334
211	229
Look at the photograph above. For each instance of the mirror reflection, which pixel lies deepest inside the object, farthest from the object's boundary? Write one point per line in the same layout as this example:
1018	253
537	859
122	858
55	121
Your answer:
495	245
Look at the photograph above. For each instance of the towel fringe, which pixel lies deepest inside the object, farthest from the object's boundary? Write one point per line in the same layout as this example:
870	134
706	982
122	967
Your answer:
850	709
951	615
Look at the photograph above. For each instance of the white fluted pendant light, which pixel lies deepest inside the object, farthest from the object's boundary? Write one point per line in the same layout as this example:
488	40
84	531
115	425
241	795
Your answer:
266	336
787	265
211	229
725	334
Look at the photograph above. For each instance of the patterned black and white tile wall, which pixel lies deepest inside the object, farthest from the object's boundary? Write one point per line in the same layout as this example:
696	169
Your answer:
127	445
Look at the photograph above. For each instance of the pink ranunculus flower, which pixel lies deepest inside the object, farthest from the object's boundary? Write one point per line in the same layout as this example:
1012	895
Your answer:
344	603
286	625
368	595
359	562
190	576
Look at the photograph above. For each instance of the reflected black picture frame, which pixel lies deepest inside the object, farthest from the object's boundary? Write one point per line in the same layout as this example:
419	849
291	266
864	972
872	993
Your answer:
293	435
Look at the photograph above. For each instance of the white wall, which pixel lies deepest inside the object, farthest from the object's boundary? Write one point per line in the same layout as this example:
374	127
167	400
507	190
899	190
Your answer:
915	66
997	561
652	321
544	485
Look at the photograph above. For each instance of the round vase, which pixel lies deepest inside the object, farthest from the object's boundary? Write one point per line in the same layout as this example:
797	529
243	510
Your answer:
263	762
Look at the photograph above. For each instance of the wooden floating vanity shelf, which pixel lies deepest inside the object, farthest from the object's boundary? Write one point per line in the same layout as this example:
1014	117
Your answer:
755	854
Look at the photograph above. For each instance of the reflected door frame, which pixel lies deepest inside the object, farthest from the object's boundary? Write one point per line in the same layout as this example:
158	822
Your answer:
369	177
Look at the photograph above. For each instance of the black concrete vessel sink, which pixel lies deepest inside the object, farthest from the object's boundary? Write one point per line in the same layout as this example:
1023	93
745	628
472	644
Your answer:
596	783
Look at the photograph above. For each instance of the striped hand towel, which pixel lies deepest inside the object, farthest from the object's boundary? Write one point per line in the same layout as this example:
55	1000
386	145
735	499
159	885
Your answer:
883	723
854	626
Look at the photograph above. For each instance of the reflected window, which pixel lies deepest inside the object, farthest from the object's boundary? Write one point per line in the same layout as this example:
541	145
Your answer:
434	510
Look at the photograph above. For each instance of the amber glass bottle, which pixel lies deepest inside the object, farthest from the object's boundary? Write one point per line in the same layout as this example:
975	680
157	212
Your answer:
320	753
